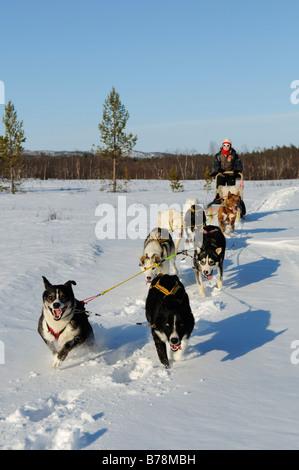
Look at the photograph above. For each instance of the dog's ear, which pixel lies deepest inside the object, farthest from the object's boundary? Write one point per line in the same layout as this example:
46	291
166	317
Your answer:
198	250
69	283
229	195
238	194
218	250
142	259
46	282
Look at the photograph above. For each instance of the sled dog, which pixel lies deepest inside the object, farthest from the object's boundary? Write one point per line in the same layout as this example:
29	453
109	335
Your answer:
209	256
194	222
172	220
157	246
63	323
228	212
169	314
188	220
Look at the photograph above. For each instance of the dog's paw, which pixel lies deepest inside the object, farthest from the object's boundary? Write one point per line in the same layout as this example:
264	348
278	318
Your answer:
56	362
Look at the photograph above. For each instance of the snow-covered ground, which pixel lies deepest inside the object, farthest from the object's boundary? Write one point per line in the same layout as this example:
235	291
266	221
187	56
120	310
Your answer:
238	385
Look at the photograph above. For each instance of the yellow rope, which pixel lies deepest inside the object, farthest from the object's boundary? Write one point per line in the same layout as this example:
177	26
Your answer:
132	277
88	299
111	288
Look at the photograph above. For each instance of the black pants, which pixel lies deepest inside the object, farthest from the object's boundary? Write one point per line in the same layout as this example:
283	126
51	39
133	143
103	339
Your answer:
229	180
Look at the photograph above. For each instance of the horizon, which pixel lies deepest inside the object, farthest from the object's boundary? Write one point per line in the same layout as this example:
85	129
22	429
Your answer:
245	150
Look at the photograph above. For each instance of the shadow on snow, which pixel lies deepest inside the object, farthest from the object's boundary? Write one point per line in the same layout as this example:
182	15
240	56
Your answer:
237	335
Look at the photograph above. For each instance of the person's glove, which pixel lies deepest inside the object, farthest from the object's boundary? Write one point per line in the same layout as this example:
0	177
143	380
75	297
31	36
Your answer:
215	173
236	174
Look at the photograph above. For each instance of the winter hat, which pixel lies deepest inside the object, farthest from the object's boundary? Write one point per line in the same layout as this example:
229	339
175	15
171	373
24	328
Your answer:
227	141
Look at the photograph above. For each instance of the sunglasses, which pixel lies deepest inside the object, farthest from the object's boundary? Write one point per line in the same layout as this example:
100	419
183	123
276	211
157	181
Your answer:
226	145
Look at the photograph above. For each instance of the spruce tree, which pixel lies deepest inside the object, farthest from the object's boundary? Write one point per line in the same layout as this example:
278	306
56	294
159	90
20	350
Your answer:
208	179
115	141
175	184
11	148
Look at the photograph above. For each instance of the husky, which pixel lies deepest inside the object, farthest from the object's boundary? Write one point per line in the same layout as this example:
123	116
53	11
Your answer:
63	323
176	221
194	222
209	256
157	246
172	220
169	314
228	211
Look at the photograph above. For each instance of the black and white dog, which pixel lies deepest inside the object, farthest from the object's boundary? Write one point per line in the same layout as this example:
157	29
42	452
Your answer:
169	314
209	256
157	246
63	324
194	221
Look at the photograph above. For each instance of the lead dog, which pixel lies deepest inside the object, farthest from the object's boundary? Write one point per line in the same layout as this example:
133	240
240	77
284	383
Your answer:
209	256
157	246
63	324
169	314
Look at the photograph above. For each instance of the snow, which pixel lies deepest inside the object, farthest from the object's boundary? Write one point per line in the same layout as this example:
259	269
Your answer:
237	386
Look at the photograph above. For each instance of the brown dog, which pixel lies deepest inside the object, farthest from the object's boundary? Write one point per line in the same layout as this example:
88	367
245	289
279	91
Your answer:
228	212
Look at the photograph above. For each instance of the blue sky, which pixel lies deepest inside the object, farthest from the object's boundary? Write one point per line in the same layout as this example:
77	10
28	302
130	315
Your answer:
190	72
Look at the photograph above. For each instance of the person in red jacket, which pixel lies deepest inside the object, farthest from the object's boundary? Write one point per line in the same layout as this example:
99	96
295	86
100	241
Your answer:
227	160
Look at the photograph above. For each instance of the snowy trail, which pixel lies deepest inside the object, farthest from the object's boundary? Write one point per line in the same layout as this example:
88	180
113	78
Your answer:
237	385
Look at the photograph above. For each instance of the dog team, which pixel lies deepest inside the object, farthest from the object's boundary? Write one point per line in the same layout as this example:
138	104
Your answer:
64	324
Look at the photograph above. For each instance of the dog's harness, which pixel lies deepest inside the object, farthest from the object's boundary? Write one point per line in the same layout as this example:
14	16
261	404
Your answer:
165	291
205	232
53	332
155	236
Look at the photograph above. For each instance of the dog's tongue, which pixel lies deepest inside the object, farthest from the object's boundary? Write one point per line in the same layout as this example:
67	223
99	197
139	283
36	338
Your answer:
57	313
175	347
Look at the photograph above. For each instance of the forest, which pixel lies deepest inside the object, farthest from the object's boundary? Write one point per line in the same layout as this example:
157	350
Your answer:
267	164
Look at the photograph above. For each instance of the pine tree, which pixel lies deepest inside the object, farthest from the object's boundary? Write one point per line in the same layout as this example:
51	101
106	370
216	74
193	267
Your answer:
112	127
175	184
208	179
11	148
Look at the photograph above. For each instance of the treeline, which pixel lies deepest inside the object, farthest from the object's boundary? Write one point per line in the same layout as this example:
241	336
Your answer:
90	166
267	164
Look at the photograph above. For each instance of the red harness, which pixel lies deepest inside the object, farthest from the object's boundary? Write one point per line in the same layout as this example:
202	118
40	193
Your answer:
53	332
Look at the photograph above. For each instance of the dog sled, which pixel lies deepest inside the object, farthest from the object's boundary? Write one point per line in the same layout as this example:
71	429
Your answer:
221	192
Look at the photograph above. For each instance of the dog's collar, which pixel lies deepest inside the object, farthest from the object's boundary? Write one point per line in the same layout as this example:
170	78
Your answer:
53	332
155	236
165	291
